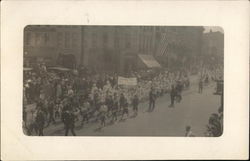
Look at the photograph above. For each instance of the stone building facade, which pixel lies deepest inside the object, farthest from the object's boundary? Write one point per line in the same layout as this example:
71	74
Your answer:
213	43
111	47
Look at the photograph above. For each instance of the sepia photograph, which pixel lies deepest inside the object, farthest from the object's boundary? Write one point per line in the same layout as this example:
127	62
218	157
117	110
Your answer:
123	80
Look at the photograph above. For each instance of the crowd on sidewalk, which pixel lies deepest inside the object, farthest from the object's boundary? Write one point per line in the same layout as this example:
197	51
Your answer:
82	95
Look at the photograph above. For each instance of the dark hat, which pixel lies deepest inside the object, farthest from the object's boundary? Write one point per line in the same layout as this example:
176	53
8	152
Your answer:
188	128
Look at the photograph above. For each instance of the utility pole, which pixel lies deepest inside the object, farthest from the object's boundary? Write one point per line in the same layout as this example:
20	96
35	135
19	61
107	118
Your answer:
82	46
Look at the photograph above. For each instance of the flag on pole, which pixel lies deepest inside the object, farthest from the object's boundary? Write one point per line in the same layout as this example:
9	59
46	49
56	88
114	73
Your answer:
162	47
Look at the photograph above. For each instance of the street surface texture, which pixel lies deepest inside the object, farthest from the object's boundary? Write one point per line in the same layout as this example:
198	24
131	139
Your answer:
194	110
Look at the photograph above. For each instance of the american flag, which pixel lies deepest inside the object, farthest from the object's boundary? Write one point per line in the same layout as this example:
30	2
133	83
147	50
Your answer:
162	47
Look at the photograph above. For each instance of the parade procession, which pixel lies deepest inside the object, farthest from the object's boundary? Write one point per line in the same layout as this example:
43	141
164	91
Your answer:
122	81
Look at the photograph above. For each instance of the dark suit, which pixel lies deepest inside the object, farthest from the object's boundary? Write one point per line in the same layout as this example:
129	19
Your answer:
40	121
68	119
172	96
152	98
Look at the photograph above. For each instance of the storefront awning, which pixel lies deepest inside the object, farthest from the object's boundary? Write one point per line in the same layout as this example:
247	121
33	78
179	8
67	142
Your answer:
149	61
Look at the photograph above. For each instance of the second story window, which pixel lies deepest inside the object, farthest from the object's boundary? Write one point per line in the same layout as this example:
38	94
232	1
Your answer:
28	39
60	39
116	40
46	38
105	40
94	40
128	41
67	40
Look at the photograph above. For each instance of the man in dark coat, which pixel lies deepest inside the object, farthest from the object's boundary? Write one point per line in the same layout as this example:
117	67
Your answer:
51	112
135	103
115	108
40	121
125	109
110	103
122	101
68	119
179	88
200	86
123	105
152	99
172	96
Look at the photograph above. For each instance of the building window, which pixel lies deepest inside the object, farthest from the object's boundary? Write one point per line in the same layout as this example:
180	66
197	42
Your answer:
59	39
158	37
157	29
128	42
105	40
38	39
67	40
116	40
94	40
141	42
28	39
149	44
46	38
74	40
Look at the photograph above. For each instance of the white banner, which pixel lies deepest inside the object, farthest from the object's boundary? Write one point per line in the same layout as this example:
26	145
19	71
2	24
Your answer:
127	81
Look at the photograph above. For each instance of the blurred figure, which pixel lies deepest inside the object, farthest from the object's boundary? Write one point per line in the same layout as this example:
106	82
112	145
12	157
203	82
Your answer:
40	121
68	119
115	108
172	96
51	111
102	114
135	103
123	106
179	88
84	112
189	133
200	86
152	99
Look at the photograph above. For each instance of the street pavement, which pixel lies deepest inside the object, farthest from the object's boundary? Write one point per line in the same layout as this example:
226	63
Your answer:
194	110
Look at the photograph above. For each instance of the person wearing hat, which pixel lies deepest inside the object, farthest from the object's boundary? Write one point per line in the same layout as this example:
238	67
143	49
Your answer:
122	101
152	99
123	105
109	102
135	103
85	112
115	108
102	114
179	88
125	108
172	95
200	85
40	121
51	112
68	119
189	133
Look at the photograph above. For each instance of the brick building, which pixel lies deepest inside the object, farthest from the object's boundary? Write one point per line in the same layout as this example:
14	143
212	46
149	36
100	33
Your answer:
213	43
110	47
48	42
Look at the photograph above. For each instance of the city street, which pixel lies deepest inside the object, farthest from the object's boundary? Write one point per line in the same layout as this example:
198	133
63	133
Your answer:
67	82
194	110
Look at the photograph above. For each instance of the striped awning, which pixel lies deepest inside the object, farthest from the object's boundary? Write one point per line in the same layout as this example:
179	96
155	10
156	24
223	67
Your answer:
149	61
